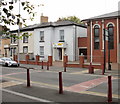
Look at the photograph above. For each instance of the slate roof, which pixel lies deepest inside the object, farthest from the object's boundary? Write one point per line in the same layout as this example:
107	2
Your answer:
107	15
49	24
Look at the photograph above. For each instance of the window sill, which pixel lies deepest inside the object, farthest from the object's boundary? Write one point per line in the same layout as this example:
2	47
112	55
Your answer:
61	41
41	56
25	42
41	41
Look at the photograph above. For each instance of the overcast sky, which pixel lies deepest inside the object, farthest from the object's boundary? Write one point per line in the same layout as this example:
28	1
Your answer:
81	8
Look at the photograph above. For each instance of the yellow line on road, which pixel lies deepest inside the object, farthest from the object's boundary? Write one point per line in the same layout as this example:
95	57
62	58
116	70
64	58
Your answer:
39	83
82	72
8	84
99	94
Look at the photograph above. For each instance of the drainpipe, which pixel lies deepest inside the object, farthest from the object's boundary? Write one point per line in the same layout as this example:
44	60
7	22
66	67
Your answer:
118	60
102	34
75	42
91	43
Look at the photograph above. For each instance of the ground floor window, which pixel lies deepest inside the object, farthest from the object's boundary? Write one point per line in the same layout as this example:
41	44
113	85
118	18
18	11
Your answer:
42	51
25	49
83	52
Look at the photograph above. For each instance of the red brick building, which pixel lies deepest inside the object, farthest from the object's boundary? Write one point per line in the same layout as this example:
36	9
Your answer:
95	38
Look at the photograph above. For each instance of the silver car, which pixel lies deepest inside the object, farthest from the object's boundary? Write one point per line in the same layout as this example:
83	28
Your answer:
8	62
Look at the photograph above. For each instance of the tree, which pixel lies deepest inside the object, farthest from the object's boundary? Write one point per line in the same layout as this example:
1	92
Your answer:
71	18
8	17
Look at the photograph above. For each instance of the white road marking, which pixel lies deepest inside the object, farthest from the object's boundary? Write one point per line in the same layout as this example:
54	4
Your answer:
26	96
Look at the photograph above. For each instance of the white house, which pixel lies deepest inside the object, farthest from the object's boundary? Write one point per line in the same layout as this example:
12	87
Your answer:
54	39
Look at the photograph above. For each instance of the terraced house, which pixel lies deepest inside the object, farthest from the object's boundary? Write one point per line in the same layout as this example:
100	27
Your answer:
108	24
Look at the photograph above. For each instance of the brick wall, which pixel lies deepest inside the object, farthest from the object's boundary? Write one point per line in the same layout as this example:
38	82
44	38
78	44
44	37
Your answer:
81	63
99	53
82	42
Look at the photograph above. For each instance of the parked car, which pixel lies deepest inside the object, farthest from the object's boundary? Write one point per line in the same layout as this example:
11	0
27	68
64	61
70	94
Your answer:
1	61
8	62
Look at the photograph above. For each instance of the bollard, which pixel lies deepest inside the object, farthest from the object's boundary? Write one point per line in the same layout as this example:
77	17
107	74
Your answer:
102	71
109	89
42	65
28	78
90	68
48	65
60	83
65	67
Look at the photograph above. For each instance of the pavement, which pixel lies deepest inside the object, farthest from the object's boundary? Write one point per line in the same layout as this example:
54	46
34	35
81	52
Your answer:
91	87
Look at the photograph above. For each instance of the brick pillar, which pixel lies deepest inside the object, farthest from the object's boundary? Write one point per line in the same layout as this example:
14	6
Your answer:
50	60
65	60
15	57
27	58
37	59
81	61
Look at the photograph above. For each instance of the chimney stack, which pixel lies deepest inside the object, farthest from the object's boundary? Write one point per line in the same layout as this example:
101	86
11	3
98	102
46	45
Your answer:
43	19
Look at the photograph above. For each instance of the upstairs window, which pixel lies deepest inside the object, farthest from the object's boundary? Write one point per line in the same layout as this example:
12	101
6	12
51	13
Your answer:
61	36
13	39
111	36
41	36
14	50
96	37
25	49
25	39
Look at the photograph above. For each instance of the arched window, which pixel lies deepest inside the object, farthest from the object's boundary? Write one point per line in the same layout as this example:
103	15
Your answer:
96	37
111	36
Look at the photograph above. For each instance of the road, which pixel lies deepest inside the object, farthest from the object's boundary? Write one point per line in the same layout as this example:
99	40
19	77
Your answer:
78	85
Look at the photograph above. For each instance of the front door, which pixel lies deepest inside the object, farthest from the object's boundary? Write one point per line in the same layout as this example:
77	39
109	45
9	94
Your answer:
60	53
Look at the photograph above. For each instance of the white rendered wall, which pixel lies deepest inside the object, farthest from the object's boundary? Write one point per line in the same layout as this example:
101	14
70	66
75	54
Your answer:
47	42
30	43
52	35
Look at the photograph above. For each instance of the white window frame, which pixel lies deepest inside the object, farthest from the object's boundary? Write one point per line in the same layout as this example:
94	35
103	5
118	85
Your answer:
42	51
61	32
13	40
41	36
25	47
25	39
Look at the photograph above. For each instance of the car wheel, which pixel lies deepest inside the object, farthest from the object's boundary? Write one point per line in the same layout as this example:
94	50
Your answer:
18	65
6	64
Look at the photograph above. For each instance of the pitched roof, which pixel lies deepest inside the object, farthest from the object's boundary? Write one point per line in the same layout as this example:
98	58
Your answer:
49	24
107	15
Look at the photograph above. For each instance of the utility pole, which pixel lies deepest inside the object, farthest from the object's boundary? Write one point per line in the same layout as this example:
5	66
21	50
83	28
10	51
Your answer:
18	59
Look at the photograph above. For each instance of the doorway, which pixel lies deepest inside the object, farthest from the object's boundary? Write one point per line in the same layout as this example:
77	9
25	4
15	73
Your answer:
60	53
